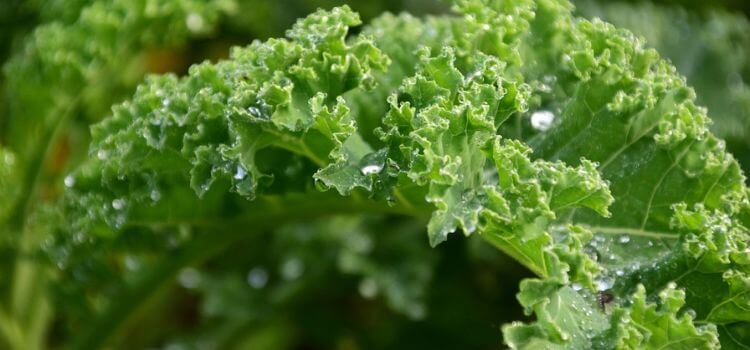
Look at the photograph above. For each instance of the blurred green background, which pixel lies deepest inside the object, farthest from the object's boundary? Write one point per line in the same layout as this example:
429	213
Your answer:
337	284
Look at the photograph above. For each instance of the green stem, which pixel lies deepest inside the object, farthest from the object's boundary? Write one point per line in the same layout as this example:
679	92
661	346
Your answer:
33	172
27	304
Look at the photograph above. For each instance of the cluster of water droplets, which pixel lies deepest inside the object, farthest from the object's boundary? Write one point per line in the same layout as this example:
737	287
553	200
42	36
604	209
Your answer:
290	269
260	110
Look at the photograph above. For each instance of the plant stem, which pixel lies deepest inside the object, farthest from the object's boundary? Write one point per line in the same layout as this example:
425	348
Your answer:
26	300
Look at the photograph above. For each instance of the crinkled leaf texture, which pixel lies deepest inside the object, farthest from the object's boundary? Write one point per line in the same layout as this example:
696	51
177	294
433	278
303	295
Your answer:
563	142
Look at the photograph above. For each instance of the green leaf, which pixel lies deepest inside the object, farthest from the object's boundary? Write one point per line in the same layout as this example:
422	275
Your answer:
566	143
566	320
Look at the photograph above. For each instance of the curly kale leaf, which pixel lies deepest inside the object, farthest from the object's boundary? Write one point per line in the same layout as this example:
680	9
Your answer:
710	50
565	143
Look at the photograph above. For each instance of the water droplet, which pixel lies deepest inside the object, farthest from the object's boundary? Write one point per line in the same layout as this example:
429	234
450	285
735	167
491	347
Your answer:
102	154
166	102
79	237
118	204
619	272
474	75
189	278
240	173
9	159
131	263
255	112
416	311
360	243
69	181
542	120
292	269
470	225
368	288
155	195
576	286
257	277
624	239
691	313
604	283
373	162
194	22
371	169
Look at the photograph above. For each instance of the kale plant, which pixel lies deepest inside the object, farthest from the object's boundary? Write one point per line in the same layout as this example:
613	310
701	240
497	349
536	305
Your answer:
564	143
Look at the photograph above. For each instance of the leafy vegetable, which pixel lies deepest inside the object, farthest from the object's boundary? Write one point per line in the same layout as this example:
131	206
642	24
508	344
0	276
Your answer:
565	143
710	50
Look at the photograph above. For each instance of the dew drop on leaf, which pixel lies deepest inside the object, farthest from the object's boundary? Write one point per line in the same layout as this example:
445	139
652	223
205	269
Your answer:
189	278
69	181
78	237
256	112
9	159
691	313
131	263
542	120
257	277
473	75
604	283
118	204
368	288
416	311
240	173
624	239
292	269
371	169
373	162
194	22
